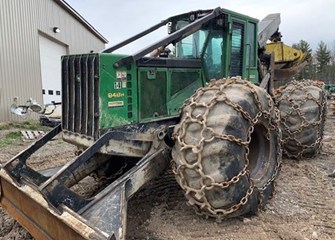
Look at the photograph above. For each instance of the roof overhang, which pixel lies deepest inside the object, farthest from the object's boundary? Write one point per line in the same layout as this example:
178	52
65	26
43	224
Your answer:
82	20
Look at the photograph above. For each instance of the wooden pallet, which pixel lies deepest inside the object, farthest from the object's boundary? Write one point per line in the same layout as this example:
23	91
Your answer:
31	135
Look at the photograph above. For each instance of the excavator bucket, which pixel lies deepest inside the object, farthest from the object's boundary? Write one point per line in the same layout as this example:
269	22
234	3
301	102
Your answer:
288	61
46	206
283	74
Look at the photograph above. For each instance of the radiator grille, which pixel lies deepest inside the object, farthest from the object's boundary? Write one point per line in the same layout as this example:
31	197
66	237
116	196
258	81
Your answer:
80	94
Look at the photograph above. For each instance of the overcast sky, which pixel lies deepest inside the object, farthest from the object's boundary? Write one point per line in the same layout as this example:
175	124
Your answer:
117	20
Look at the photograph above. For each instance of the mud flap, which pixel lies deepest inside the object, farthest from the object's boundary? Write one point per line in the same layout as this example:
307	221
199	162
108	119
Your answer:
47	207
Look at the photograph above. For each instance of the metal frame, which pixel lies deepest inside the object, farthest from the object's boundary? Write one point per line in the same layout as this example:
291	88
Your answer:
104	215
182	33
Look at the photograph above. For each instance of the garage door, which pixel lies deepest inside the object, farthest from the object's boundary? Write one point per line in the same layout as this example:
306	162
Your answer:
50	57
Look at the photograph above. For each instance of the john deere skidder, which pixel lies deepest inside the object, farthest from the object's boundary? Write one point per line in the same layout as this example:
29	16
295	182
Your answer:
188	106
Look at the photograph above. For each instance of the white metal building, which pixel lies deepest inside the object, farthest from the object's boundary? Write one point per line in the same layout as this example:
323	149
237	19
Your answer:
34	34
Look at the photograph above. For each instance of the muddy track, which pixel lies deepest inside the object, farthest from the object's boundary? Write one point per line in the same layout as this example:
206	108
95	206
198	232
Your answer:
302	208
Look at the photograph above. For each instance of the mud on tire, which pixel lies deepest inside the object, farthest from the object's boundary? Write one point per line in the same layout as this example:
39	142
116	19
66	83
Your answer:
227	152
303	107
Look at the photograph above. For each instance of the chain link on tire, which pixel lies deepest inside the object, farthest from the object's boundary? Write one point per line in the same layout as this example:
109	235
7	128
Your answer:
303	111
227	152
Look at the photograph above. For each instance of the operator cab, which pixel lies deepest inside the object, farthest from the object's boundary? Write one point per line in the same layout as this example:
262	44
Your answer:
222	46
225	45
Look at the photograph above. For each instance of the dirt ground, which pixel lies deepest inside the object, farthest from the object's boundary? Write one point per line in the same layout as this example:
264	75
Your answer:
302	208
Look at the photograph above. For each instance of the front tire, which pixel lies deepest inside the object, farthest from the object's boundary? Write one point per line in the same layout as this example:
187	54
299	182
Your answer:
227	152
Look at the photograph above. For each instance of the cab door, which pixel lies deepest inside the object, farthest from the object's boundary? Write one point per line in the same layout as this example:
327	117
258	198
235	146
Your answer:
243	50
236	48
214	55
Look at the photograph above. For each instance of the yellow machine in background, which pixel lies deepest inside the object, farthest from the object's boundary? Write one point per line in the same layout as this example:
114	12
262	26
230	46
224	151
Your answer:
288	61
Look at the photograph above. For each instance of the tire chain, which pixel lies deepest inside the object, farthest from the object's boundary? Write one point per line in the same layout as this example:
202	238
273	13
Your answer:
296	106
180	131
112	176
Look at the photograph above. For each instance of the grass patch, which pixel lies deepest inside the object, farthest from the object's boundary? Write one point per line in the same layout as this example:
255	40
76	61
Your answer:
29	125
25	125
4	126
10	138
12	131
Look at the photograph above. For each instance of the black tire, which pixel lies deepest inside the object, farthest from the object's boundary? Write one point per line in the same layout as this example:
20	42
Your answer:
303	110
227	152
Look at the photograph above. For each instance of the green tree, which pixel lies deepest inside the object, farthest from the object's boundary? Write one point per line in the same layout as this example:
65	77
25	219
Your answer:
323	58
304	47
307	72
331	74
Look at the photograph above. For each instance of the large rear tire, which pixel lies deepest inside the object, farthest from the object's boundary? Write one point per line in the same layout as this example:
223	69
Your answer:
227	152
303	110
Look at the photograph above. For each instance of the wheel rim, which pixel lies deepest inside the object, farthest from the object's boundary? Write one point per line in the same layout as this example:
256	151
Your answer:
259	153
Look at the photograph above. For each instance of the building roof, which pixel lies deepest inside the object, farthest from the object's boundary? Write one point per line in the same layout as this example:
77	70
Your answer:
76	15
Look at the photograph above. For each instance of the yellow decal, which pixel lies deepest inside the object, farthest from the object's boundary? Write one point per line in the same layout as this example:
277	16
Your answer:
115	95
115	104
